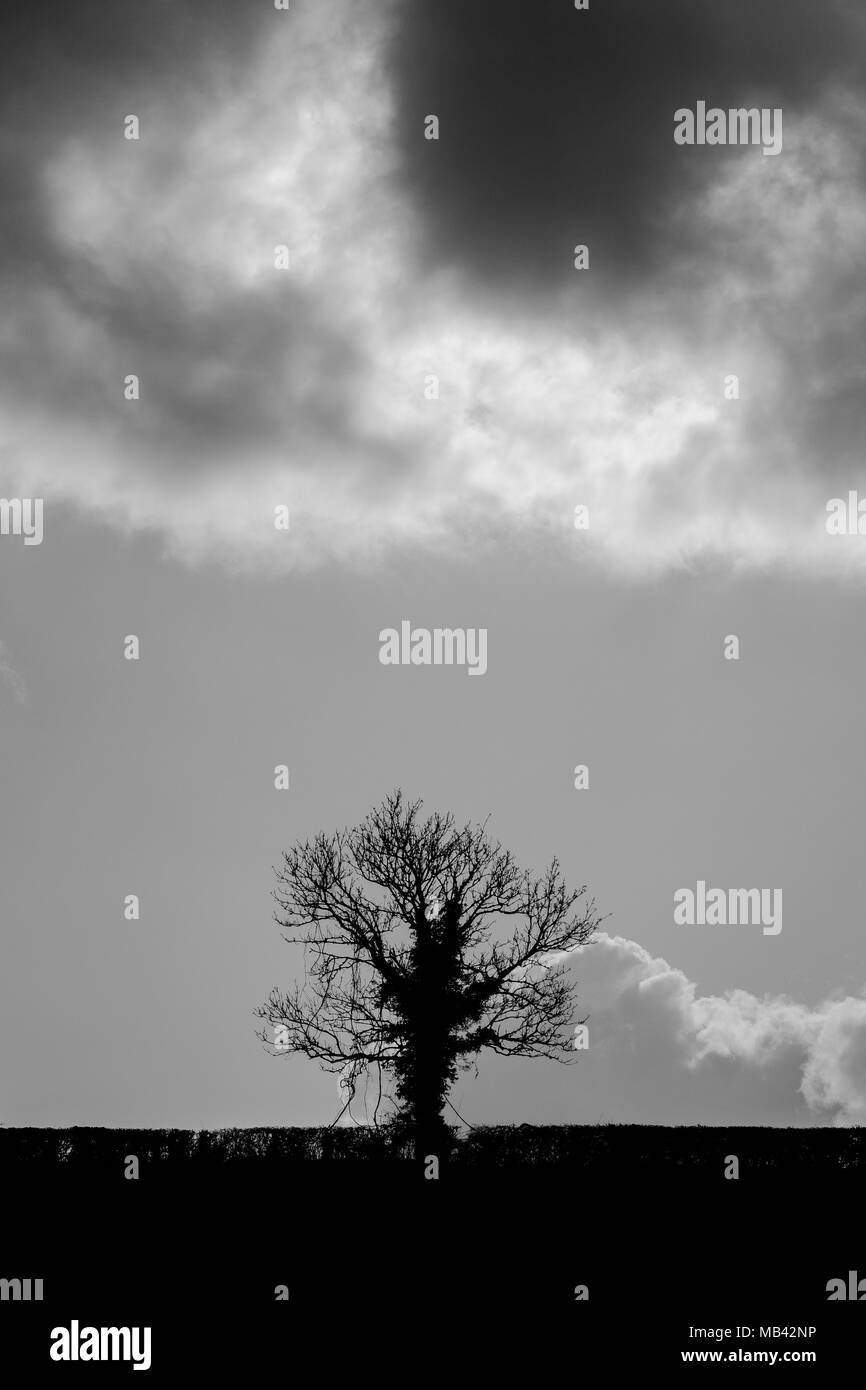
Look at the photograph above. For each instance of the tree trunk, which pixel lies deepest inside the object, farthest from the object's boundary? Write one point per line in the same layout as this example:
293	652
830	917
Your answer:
422	1087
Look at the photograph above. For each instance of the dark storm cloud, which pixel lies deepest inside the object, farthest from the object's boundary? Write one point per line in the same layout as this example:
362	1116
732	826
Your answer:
109	236
78	70
557	125
72	66
247	370
309	385
95	46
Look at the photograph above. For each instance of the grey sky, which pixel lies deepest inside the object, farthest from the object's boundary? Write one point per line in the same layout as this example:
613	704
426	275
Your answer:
157	778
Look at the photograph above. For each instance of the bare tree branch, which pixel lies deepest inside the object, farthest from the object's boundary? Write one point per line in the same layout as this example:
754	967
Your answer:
424	945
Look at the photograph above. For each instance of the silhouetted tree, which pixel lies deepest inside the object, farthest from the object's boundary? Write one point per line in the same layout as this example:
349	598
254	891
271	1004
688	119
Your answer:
407	966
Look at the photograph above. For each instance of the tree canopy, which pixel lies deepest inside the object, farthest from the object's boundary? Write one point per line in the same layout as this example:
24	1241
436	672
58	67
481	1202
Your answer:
424	945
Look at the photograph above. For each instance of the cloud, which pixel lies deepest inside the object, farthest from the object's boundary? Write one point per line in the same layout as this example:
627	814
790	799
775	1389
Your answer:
560	122
661	1053
834	1078
307	387
10	677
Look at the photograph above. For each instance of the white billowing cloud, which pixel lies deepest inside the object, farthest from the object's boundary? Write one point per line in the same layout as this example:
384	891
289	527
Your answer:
661	1053
306	386
834	1079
